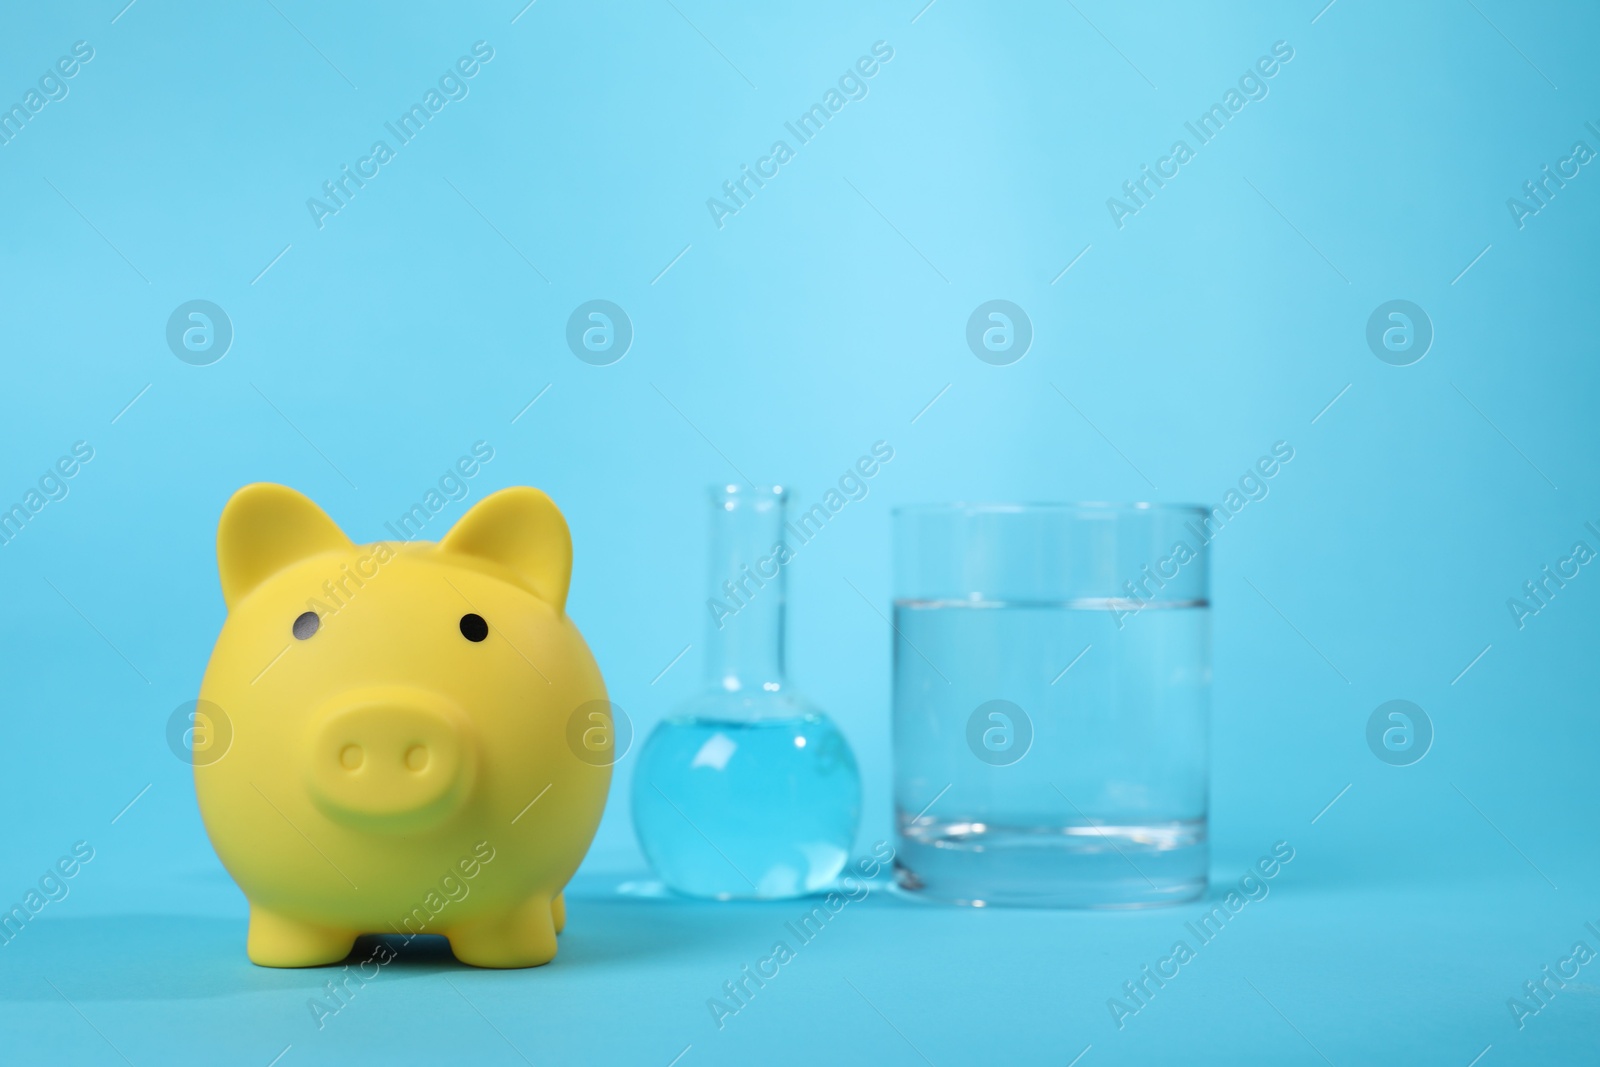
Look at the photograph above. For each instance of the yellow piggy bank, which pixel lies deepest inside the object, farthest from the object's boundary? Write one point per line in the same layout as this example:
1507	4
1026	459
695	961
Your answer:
401	725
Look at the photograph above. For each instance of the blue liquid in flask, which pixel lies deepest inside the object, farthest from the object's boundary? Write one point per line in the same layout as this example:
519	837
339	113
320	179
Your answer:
762	808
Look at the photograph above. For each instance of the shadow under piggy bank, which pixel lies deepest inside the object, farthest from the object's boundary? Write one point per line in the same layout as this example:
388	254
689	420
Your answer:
176	957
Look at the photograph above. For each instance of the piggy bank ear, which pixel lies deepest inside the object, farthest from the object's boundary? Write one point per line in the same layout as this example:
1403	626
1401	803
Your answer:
522	530
265	528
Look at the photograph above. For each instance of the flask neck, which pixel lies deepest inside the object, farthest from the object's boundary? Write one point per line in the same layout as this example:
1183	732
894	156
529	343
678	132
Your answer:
745	633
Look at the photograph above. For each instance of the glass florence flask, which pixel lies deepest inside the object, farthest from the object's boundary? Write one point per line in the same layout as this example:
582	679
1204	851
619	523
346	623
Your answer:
747	790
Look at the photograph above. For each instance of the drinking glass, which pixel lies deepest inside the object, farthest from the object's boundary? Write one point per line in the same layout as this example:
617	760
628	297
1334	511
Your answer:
1052	666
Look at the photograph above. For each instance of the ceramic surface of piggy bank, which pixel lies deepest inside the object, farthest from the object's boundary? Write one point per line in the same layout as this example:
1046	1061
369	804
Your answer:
399	758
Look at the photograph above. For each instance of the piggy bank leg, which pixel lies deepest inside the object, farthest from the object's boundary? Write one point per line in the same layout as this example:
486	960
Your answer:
523	937
278	941
558	912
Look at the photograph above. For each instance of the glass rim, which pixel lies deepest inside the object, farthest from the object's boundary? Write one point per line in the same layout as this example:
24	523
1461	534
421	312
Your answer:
1086	507
722	491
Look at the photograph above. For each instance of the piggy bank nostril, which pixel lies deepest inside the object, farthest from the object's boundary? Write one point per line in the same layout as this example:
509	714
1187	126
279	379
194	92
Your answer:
417	758
350	757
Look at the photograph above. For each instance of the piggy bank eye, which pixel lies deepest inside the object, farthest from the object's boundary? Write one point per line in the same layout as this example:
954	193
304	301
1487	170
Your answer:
473	627
306	624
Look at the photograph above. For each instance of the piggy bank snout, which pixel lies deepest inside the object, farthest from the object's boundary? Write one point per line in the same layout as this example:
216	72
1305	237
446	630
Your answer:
394	760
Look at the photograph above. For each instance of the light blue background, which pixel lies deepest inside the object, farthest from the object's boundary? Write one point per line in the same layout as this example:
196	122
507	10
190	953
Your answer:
826	315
